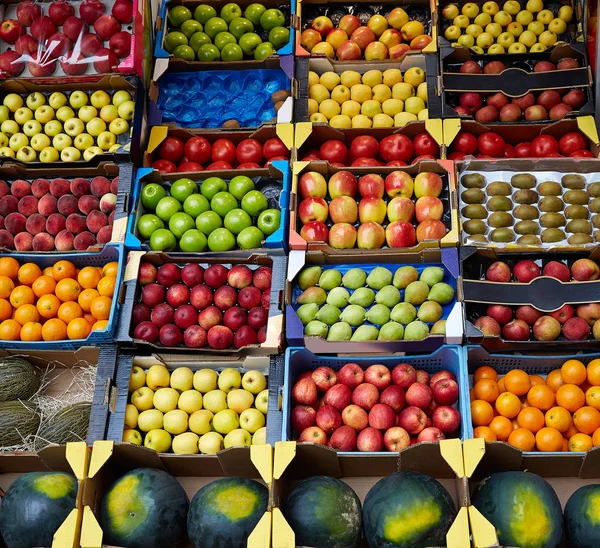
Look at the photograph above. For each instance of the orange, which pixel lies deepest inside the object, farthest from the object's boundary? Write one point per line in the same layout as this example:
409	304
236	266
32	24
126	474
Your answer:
54	330
100	308
471	395
86	297
47	271
485	433
581	442
502	427
541	396
531	418
21	295
69	311
570	432
100	325
522	439
106	286
6	287
31	331
573	372
27	313
10	330
517	382
78	329
9	266
485	372
524	403
559	418
508	405
481	413
565	445
596	438
587	419
554	379
29	273
63	269
571	397
111	269
68	290
89	277
486	390
536	379
6	310
548	439
593	372
44	285
592	397
47	306
501	386
90	319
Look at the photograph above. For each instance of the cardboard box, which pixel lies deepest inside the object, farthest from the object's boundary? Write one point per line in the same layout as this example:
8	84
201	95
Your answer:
111	460
448	197
275	325
294	462
446	257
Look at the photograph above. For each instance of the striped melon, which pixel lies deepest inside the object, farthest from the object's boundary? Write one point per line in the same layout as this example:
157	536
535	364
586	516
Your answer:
18	419
69	424
19	380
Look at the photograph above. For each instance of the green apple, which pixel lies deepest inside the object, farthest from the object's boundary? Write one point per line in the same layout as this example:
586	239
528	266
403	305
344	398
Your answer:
200	421
195	204
250	238
184	52
223	202
65	113
57	100
152	194
159	440
215	400
84	141
208	222
279	36
35	100
73	127
70	154
260	436
176	421
262	401
237	438
229	380
78	99
221	239
17	141
150	419
186	444
249	42
109	113
121	97
205	380
118	126
203	13
190	27
272	18
224	38
182	379
61	141
95	126
165	399
178	15
137	378
131	416
239	400
163	240
225	421
175	39
208	53
132	436
254	381
180	223
254	203
251	420
263	51
13	101
236	220
212	186
240	185
27	154
147	224
190	401
182	188
230	11
198	40
269	221
193	241
214	26
39	142
240	26
23	115
254	12
167	207
210	443
49	154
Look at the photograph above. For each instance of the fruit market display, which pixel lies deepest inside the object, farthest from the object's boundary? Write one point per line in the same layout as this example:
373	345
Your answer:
57	303
374	409
57	214
385	36
188	412
378	305
540	208
64	38
212	214
198	154
232	34
329	210
518	27
376	98
557	411
216	307
56	127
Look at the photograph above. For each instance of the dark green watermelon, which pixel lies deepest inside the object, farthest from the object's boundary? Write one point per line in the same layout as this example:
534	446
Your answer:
35	506
522	507
145	508
407	509
225	512
324	512
582	517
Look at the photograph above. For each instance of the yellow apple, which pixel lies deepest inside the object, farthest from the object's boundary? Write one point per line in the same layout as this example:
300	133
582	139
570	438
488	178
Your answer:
517	47
190	401
350	109
210	443
381	93
262	402
186	444
482	19
360	93
165	399
496	49
230	379
313	78
370	108
391	107
423	114
132	436
157	377
215	401
414	76
318	117
251	420
490	8
403	118
260	436
150	419
414	105
175	422
131	416
137	378
524	17
340	94
391	77
528	38
240	400
361	121
383	120
350	78
330	80
313	107
159	440
318	92
341	121
452	32
372	77
402	91
200	421
534	6
237	438
329	108
537	47
422	92
225	421
182	379
142	398
205	380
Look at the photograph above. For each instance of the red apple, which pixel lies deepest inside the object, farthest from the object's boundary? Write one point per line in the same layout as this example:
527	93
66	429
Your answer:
394	397
528	314
365	395
419	395
369	440
412	419
382	417
324	378
396	439
313	434
502	314
305	392
356	417
303	417
517	330
403	375
447	419
338	396
379	376
312	184
343	439
445	391
432	434
488	326
525	271
351	375
313	209
328	419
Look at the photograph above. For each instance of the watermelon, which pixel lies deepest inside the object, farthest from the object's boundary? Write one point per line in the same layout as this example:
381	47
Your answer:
145	508
324	512
407	509
582	517
522	507
225	512
35	506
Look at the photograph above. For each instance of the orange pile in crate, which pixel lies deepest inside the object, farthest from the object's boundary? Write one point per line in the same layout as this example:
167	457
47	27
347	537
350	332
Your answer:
57	303
558	413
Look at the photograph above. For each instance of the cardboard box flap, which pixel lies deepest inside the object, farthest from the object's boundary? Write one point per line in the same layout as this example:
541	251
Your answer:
261	535
122	455
482	531
78	455
473	451
91	532
458	534
67	534
282	532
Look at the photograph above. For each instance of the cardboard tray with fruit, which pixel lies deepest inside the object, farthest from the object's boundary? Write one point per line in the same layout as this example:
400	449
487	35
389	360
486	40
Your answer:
282	48
50	220
273	329
444	325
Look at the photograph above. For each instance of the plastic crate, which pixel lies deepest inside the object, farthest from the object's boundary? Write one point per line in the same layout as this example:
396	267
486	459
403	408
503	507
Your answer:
111	252
298	360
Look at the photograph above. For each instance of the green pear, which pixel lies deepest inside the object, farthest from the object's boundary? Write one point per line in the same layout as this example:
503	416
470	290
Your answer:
403	313
307	312
416	293
340	331
338	296
354	278
429	312
354	315
379	277
391	331
404	276
328	314
330	279
441	293
316	328
363	296
416	331
309	277
388	295
438	328
378	314
314	295
365	333
432	275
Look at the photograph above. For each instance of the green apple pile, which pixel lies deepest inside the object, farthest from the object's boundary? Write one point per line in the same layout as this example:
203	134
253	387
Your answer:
232	35
218	216
61	127
202	412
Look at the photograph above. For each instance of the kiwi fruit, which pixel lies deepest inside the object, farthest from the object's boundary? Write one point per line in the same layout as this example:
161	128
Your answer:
596	221
580	197
527	227
523	180
231	124
526	196
526	212
594	190
473	180
552	235
594	205
278	105
528	239
499	203
579	225
550	188
577	212
499	188
474	227
473	196
578	239
280	96
499	219
502	235
551	203
573	180
474	211
552	220
477	238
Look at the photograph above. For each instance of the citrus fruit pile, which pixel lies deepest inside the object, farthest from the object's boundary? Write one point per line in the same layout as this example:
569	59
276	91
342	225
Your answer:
560	412
57	303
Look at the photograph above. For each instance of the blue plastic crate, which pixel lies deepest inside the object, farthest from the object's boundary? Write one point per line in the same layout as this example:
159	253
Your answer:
298	360
276	241
109	253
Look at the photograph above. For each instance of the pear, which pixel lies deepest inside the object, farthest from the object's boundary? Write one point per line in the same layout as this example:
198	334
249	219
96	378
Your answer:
309	277
316	328
307	312
438	328
338	296
328	314
314	295
404	313
330	279
354	315
391	331
416	293
404	276
429	312
379	277
416	331
441	293
388	295
363	296
340	331
378	314
354	278
365	333
432	275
